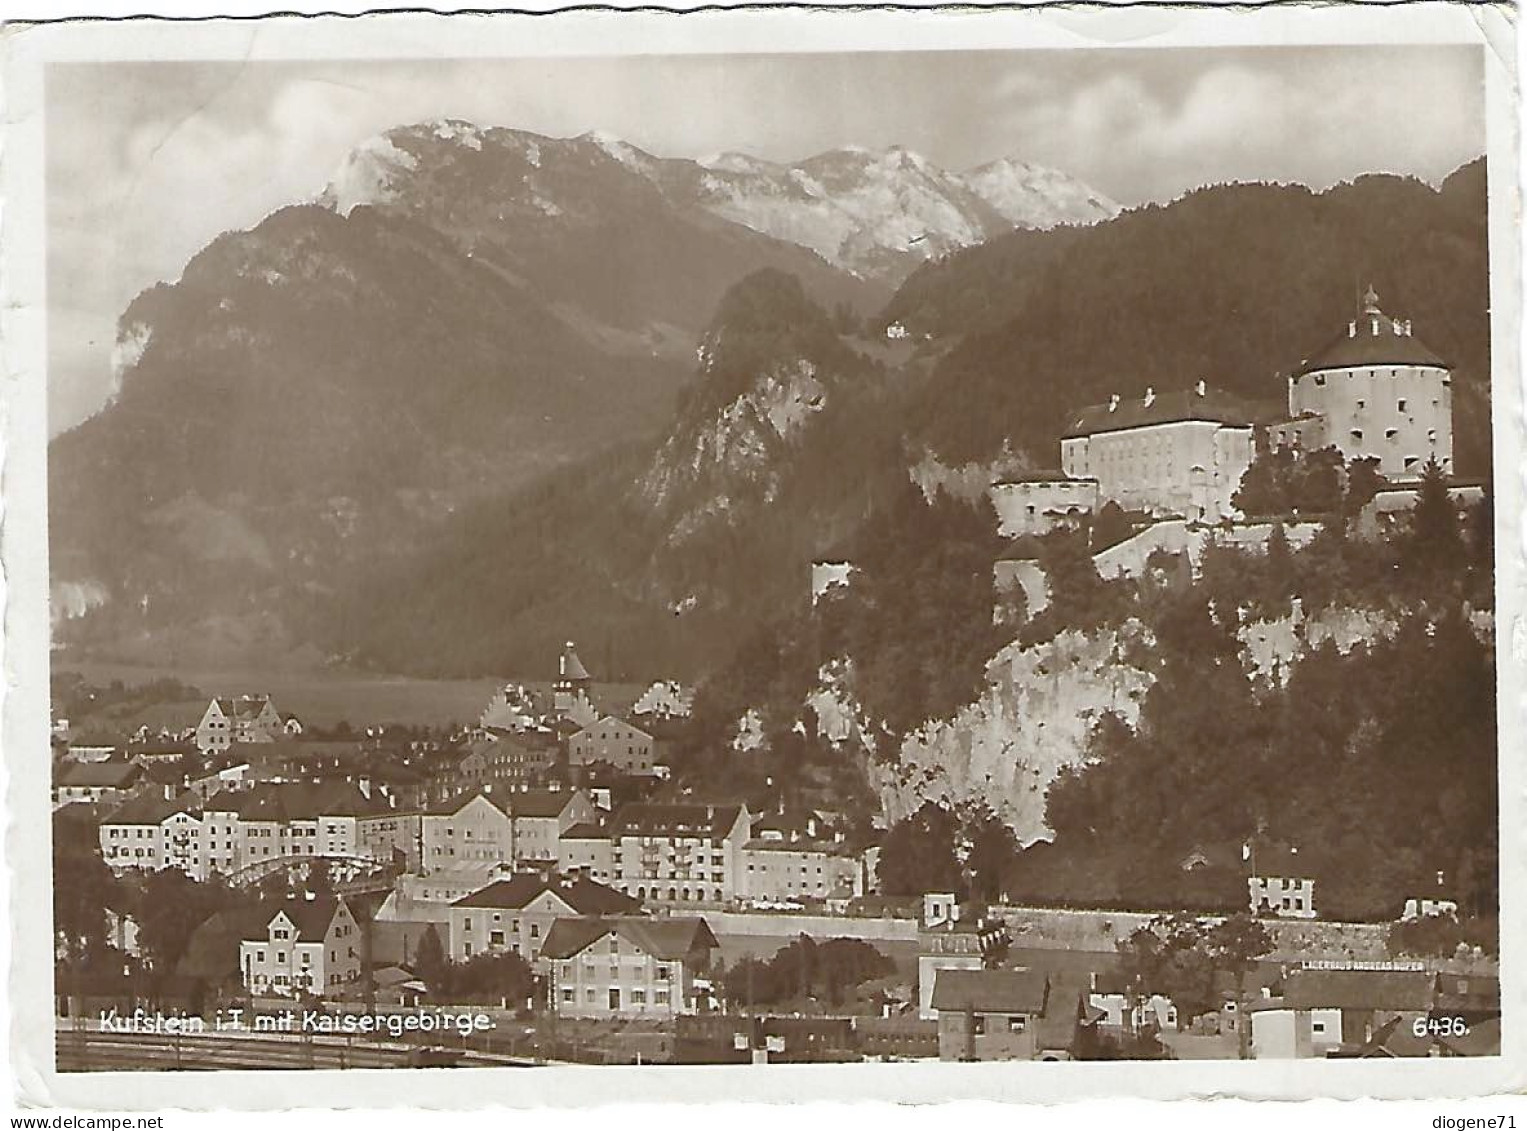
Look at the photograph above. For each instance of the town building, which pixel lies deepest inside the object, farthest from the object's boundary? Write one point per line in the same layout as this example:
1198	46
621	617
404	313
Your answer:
247	718
1322	1011
572	694
614	741
516	915
103	783
950	938
628	967
775	870
309	946
507	826
1375	392
679	853
1279	883
1171	454
587	849
511	709
1003	1015
1040	501
147	833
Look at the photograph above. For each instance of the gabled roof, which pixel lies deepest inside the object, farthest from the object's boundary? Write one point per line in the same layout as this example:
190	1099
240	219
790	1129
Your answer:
243	708
585	830
311	917
687	819
457	802
582	896
667	939
538	802
1358	989
613	720
991	991
1213	405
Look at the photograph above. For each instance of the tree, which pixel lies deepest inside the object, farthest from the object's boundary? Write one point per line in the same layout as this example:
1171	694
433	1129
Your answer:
1234	945
1435	541
430	961
918	856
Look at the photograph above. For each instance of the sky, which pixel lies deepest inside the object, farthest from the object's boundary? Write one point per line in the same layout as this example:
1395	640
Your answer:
148	162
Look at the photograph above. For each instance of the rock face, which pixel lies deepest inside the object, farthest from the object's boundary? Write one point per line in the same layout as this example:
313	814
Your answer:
1034	720
1271	649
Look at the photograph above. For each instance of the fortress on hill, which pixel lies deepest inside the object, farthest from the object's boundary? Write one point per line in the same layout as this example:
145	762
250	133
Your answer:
1376	391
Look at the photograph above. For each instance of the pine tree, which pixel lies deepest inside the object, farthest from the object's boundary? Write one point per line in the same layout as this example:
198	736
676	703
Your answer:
1436	541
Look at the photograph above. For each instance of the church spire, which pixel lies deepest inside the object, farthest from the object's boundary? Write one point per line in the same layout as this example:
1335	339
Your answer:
1371	301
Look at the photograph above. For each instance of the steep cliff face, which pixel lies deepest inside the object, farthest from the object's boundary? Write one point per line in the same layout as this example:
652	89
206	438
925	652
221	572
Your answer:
771	369
1270	649
1033	721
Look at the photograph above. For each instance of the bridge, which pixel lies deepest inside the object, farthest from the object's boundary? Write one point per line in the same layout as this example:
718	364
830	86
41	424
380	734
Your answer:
351	875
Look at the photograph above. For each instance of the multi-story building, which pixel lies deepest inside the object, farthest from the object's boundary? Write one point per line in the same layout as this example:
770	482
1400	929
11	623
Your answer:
572	696
1375	392
1279	883
615	741
774	870
509	826
588	850
684	853
236	829
310	946
1320	1011
465	830
248	718
629	967
1180	453
517	914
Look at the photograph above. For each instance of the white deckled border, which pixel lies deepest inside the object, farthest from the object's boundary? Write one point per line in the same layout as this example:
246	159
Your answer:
24	54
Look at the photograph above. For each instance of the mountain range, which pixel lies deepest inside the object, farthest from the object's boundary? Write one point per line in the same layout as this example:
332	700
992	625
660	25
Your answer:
492	390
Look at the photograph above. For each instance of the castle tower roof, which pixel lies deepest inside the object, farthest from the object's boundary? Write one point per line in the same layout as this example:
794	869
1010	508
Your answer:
1373	338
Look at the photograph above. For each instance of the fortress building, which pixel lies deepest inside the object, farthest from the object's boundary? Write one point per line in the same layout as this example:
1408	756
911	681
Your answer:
1376	391
1172	454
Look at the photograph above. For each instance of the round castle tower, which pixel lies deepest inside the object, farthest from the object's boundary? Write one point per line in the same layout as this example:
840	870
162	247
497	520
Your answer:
1376	391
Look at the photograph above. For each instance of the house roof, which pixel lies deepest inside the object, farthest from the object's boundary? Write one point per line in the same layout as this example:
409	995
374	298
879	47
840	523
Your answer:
583	896
648	819
1041	475
1373	338
300	801
667	939
1358	989
99	775
147	809
212	952
1213	405
613	720
586	831
311	917
1467	993
991	991
244	707
539	802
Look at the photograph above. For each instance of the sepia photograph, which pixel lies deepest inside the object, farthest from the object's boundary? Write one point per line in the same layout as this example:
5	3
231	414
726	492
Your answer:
771	556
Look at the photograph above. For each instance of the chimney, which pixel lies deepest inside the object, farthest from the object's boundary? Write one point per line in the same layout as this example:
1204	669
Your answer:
1113	403
1201	388
1150	396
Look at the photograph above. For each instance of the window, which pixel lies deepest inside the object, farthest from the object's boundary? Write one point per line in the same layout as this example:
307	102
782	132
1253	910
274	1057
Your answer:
568	993
1017	1023
1318	1026
979	1026
1402	406
535	932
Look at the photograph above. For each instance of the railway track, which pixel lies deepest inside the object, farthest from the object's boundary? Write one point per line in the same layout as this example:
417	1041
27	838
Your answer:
96	1051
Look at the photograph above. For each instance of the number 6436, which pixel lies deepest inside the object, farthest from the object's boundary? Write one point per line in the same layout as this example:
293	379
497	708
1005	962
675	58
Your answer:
1439	1027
